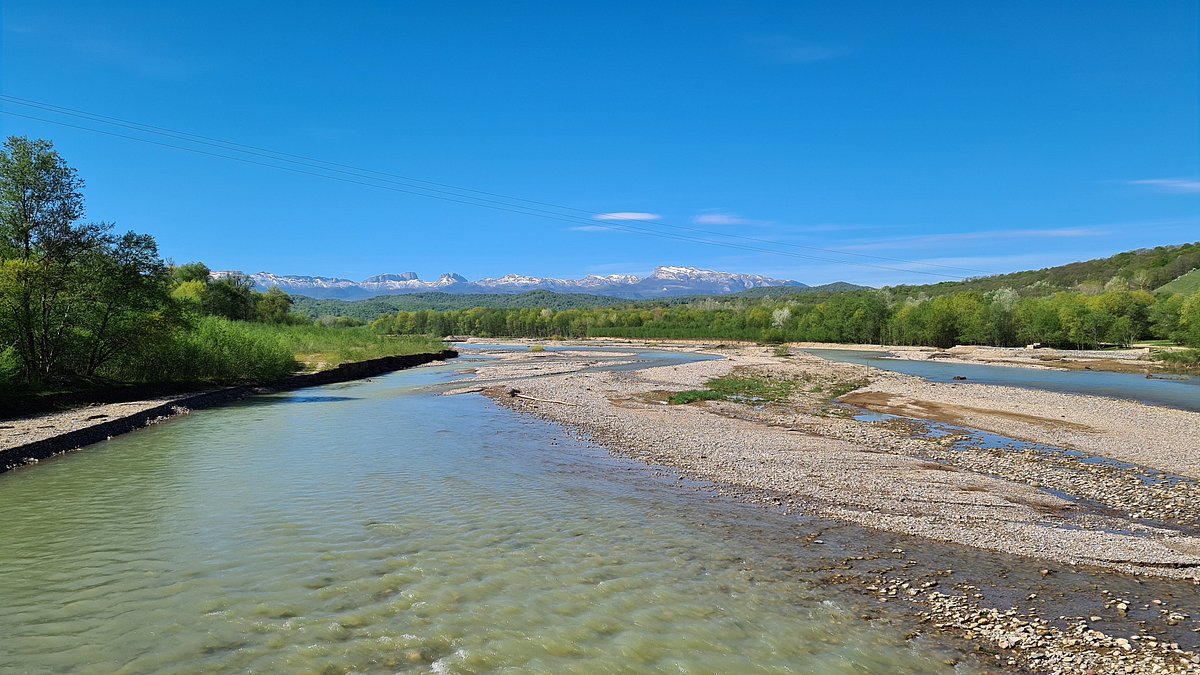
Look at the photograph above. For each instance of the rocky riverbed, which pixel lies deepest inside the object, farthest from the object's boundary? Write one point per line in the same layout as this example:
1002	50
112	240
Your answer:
1054	504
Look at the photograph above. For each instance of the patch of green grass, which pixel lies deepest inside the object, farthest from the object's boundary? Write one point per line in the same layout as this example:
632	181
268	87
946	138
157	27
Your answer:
782	351
740	389
1154	343
316	345
218	350
537	348
840	387
1187	284
693	395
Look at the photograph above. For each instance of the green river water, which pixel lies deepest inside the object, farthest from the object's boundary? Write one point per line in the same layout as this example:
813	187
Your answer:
377	527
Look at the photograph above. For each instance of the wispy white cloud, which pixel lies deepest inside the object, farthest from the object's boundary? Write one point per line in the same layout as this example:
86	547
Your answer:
627	215
719	219
722	218
963	237
785	49
590	228
1178	186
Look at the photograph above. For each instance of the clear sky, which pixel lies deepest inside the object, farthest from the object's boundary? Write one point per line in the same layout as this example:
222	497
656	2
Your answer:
994	136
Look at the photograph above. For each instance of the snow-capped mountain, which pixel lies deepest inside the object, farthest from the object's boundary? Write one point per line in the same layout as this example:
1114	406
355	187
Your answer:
664	282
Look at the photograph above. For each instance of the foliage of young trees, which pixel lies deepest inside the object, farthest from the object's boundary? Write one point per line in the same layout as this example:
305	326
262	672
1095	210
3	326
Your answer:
80	301
997	318
73	295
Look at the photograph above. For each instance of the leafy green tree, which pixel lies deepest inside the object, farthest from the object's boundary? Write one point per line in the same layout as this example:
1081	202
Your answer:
190	272
274	306
232	297
41	241
128	300
1189	321
72	295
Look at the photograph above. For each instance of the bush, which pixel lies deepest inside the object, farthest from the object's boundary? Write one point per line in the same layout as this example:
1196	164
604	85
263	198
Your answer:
214	350
1186	359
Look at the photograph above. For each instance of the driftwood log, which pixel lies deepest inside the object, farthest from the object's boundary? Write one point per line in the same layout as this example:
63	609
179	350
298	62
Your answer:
516	393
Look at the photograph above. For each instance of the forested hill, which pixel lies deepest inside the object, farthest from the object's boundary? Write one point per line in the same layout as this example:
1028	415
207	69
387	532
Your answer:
780	291
1144	269
368	310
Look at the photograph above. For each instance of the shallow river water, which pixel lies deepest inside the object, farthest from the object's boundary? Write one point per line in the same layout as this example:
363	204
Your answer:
1172	391
377	527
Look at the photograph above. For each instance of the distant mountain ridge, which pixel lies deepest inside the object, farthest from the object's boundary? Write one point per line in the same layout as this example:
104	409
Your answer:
663	282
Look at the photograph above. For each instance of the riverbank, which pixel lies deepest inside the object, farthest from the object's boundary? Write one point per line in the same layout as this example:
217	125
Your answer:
30	439
1071	510
806	448
1134	360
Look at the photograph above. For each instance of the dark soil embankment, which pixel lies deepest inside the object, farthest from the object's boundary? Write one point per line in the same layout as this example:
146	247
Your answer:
73	440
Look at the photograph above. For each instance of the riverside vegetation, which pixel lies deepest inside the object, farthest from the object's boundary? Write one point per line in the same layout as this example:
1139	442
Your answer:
1089	316
82	307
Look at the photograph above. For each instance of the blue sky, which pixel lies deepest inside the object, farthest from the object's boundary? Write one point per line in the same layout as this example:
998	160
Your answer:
988	136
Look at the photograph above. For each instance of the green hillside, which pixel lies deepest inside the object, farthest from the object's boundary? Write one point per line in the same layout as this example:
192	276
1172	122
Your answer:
1146	268
1186	284
782	291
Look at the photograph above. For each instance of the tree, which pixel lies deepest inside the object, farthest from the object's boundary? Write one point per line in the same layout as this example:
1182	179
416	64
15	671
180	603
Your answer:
274	306
190	272
128	300
41	201
232	297
72	295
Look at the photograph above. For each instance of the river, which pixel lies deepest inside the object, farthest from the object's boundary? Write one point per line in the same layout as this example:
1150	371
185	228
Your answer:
1172	391
378	527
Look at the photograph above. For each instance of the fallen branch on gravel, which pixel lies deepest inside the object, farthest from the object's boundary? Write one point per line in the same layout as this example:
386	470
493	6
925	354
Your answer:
516	393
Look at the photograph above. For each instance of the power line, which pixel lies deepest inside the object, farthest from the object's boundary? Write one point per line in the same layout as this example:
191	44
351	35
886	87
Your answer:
353	170
358	171
422	191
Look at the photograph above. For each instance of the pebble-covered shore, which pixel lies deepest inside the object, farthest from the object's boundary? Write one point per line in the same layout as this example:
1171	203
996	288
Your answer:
807	455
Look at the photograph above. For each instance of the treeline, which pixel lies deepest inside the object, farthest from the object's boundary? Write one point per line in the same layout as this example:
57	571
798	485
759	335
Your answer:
1147	269
998	318
372	308
82	305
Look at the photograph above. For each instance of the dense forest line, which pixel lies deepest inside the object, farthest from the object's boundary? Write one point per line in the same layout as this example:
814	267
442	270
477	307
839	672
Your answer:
84	306
373	308
998	318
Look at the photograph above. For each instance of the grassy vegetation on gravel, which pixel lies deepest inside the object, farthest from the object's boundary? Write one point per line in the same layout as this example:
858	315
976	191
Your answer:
739	389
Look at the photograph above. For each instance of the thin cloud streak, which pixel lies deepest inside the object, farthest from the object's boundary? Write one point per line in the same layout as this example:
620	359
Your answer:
720	219
960	237
627	215
790	50
1177	186
724	218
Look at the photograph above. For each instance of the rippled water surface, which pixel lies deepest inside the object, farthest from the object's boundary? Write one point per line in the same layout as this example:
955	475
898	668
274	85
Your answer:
1174	391
375	527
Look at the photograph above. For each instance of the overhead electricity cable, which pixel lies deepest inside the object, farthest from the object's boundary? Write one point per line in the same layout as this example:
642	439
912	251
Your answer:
374	174
444	195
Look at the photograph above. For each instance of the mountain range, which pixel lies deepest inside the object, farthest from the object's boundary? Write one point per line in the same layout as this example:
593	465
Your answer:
663	282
